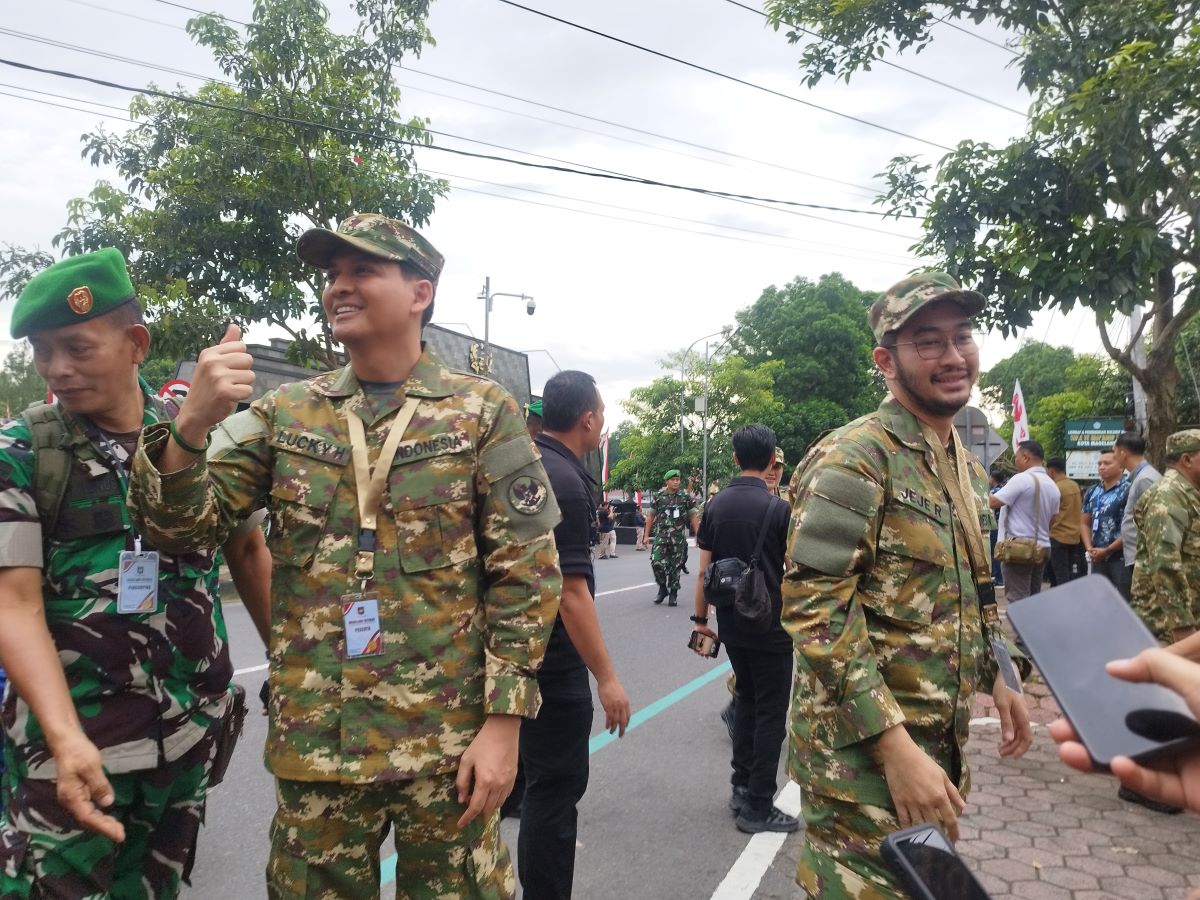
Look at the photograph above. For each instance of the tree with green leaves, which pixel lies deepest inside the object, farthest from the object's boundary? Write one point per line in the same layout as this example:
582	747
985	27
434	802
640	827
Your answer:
219	183
1097	204
819	334
738	393
20	384
1041	369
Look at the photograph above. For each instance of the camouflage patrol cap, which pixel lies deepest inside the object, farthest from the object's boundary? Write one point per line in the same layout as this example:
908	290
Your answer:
374	234
73	290
1181	442
779	457
905	299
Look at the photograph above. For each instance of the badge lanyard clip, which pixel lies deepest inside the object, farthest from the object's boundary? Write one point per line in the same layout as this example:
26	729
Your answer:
370	483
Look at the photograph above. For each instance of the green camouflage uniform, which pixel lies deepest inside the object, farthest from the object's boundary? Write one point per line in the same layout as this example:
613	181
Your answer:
881	602
1166	574
468	583
150	689
668	536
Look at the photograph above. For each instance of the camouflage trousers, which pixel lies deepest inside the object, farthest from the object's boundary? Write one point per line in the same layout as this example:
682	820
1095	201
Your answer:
667	556
44	853
326	839
840	859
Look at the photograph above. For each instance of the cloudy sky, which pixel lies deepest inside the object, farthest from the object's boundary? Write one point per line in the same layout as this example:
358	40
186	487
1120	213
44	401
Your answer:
622	274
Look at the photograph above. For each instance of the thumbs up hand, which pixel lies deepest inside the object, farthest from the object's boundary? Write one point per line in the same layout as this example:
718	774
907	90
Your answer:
223	378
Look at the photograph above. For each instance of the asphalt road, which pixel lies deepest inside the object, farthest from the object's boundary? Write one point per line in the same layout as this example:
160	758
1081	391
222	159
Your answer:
654	824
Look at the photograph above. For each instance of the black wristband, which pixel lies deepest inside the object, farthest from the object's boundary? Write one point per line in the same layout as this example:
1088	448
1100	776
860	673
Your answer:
699	620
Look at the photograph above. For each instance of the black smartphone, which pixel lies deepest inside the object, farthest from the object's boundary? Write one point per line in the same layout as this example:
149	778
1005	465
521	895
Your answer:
928	866
1071	632
707	646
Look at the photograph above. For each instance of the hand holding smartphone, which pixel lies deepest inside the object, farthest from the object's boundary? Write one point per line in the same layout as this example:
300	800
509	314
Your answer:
704	645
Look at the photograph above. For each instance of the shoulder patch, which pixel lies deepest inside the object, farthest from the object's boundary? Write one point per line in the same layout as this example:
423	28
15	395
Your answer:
500	460
528	495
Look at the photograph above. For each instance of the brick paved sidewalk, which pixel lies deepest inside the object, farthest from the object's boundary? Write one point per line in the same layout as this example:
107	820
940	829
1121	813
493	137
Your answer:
1038	830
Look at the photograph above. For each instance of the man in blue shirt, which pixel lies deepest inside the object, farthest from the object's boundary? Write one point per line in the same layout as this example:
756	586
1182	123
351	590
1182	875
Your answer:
1103	508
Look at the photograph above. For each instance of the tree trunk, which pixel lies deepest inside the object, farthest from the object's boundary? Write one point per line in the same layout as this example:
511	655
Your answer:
1161	382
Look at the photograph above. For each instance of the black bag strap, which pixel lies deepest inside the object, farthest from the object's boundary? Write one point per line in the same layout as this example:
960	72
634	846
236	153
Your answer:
762	530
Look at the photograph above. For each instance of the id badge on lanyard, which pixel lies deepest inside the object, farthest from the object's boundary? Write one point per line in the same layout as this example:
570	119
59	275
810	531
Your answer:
137	582
360	618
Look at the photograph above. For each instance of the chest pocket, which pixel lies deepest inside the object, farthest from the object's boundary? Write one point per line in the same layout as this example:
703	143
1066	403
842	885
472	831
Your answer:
432	493
301	494
911	560
91	506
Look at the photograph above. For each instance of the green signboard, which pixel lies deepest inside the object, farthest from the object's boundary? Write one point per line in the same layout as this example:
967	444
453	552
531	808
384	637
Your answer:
1092	434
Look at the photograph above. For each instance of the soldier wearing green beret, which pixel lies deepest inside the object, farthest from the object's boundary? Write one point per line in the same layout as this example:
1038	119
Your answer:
889	602
1166	573
116	648
416	579
533	418
670	512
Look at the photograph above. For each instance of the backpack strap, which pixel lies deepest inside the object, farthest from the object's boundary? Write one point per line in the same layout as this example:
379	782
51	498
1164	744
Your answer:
52	458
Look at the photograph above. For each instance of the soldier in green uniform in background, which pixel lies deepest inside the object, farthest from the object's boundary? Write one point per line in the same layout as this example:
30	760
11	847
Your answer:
671	512
116	650
415	585
890	604
1166	575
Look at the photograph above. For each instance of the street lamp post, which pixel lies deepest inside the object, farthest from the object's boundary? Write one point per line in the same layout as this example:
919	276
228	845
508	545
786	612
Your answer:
704	413
683	380
487	295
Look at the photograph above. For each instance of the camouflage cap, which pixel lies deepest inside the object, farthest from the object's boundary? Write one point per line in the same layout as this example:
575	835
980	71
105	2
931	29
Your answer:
73	290
1187	441
779	461
905	299
374	234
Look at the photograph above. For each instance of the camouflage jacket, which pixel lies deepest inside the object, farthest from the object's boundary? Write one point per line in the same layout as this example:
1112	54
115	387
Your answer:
466	569
146	686
1166	575
672	512
880	601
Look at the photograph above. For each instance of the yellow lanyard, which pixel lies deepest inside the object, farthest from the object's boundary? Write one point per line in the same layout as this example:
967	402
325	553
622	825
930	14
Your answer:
370	483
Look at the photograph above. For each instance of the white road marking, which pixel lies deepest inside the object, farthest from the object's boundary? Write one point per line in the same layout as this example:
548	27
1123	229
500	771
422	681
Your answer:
238	672
632	587
743	878
992	720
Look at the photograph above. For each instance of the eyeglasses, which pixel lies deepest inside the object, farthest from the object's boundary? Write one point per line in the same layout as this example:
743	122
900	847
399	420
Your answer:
967	344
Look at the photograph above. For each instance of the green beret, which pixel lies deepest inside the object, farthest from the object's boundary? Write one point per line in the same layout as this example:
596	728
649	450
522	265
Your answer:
671	473
534	408
374	234
906	298
1184	442
73	290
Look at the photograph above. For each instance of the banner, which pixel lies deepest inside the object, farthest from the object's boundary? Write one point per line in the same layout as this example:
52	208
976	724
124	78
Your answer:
1020	417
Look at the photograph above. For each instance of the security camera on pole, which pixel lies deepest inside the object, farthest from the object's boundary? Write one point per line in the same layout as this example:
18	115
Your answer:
486	295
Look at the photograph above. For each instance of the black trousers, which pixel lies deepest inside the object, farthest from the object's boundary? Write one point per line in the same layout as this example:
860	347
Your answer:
764	681
1067	562
554	754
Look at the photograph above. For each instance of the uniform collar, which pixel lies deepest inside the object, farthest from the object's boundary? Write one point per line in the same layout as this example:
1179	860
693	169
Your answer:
902	423
428	378
554	445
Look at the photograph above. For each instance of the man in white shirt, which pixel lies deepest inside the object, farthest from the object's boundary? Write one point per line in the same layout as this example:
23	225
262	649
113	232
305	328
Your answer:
1029	500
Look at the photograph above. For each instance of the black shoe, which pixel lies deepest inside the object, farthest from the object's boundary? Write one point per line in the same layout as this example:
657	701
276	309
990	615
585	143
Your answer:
662	595
684	569
737	799
727	717
774	820
612	556
674	600
1153	805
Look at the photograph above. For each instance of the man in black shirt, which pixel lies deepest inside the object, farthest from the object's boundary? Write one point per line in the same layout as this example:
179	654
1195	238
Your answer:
554	746
762	662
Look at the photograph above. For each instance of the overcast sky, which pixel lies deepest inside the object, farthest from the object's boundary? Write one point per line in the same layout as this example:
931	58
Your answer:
622	274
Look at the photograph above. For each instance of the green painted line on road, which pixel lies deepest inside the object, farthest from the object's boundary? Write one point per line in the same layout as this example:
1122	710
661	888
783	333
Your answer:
387	868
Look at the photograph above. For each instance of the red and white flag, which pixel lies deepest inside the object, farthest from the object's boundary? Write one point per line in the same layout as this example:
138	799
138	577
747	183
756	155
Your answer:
1020	417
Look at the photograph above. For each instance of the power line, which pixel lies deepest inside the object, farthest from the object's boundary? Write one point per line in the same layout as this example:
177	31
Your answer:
979	37
858	187
376	136
796	242
724	75
887	62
